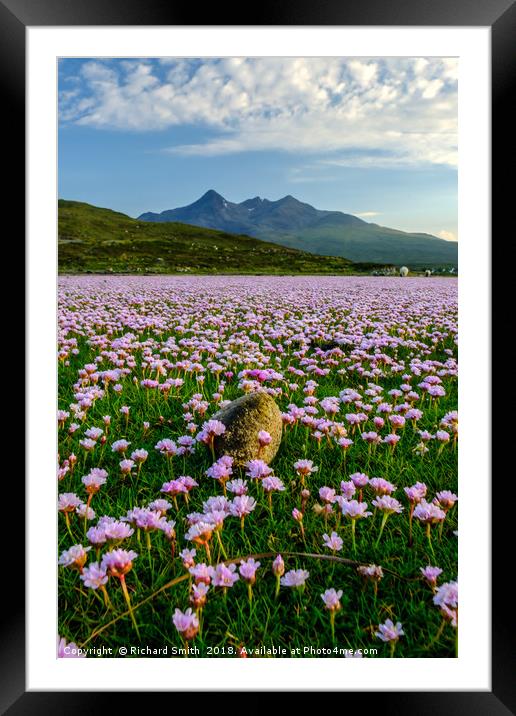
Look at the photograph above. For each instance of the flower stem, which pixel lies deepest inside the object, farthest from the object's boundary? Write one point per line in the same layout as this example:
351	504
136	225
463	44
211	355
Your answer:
107	600
219	539
67	520
128	601
429	536
441	530
86	512
384	520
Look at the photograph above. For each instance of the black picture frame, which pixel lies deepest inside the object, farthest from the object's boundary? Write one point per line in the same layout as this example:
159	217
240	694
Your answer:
500	16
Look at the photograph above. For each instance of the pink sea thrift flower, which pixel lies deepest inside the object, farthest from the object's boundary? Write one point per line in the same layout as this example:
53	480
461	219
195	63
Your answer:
201	572
69	650
126	466
188	482
237	487
217	503
416	493
295	578
117	531
428	513
387	504
447	599
371	572
225	575
139	456
174	487
186	623
389	632
94	433
96	536
327	494
333	542
354	510
445	499
94	480
188	557
381	486
371	437
397	422
120	446
344	443
74	557
198	595
272	484
305	467
166	447
68	502
264	438
200	532
297	515
331	599
94	576
209	430
161	506
221	470
430	574
62	471
447	594
257	469
278	566
359	479
248	570
118	562
242	505
85	512
348	489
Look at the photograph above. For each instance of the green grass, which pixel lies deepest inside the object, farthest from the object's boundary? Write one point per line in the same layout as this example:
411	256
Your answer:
95	240
295	620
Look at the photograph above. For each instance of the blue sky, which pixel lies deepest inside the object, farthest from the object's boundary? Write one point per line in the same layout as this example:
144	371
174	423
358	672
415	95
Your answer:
375	137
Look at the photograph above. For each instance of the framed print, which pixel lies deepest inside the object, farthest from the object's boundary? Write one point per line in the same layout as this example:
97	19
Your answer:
262	253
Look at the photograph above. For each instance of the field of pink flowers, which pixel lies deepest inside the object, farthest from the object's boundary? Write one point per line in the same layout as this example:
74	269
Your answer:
346	545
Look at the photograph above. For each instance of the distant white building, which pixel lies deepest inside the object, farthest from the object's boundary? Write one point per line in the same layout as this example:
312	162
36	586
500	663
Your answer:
404	271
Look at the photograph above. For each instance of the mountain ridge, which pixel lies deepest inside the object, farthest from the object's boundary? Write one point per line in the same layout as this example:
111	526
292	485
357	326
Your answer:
296	224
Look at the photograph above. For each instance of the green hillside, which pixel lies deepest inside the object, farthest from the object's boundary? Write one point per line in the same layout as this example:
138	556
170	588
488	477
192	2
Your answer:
378	243
95	240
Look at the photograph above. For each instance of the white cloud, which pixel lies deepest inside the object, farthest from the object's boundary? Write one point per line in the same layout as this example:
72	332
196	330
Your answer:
447	235
367	214
390	111
363	72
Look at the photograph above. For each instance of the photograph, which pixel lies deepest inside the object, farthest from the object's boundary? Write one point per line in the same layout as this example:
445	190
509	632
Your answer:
257	357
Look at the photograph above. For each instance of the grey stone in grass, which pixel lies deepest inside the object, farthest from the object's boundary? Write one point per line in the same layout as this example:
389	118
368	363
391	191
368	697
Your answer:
244	418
